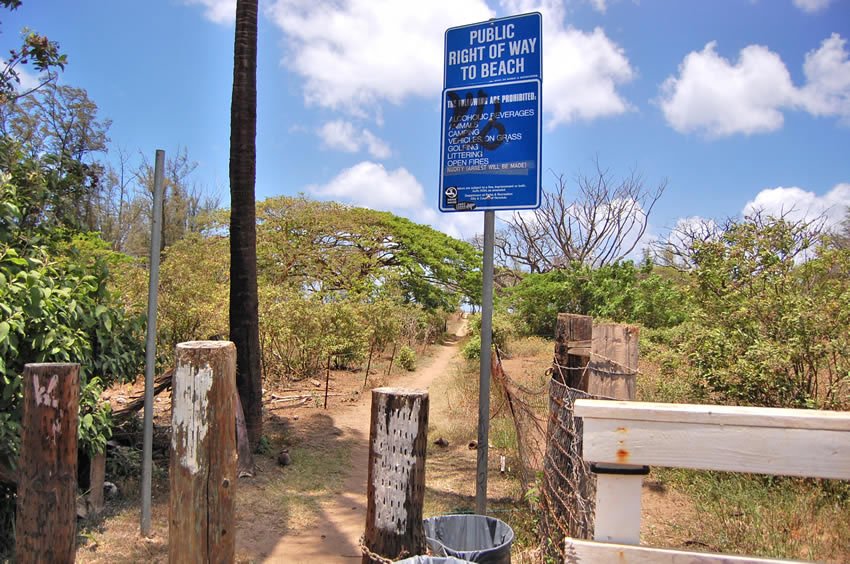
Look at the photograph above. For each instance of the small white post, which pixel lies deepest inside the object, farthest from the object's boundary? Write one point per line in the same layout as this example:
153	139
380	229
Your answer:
618	508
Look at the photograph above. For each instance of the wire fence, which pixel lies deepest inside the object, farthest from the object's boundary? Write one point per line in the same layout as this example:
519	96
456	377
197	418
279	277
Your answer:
549	447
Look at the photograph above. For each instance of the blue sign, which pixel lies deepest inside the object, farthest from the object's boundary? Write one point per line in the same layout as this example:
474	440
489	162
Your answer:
489	155
491	118
507	49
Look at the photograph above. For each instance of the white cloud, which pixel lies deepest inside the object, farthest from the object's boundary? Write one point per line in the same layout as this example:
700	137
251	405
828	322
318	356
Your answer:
599	5
376	146
371	185
356	54
827	70
582	70
812	6
798	204
713	96
28	80
460	225
217	11
344	136
339	134
717	98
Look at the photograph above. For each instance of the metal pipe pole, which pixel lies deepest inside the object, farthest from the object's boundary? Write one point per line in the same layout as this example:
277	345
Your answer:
484	377
150	343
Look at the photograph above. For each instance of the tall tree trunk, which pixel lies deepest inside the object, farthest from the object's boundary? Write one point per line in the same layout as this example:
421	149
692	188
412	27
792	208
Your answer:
244	320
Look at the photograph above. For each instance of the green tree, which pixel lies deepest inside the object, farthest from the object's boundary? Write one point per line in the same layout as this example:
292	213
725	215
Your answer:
57	132
619	292
329	248
244	316
185	207
35	49
771	323
56	306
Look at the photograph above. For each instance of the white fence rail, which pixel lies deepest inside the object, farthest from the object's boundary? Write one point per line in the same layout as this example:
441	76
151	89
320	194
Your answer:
621	437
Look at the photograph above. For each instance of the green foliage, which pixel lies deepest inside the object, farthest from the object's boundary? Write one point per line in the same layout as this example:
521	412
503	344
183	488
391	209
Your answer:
35	49
771	330
502	328
619	292
299	333
407	358
55	307
330	249
472	349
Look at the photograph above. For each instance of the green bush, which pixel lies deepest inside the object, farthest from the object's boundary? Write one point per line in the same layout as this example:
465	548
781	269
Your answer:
503	329
55	306
771	330
407	358
472	349
619	292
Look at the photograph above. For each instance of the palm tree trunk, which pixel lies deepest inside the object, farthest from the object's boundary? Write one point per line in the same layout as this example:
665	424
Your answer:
244	320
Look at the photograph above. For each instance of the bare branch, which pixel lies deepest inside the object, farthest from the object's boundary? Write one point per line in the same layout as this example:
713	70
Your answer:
603	223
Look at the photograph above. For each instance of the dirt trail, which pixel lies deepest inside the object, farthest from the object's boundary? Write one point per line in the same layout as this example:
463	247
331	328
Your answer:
335	538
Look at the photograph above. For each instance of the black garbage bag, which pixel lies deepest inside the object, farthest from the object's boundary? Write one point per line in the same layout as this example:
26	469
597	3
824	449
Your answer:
475	538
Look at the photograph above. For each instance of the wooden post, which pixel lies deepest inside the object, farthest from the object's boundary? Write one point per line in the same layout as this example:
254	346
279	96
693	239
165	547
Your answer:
46	522
392	357
573	334
203	453
398	439
97	476
369	363
613	370
327	380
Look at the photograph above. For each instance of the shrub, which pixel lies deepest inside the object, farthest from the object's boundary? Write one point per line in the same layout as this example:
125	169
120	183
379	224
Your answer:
472	349
407	358
771	329
619	292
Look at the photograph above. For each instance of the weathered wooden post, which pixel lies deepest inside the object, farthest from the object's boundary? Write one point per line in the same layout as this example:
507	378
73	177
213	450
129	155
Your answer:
398	439
97	478
203	453
612	373
573	334
46	521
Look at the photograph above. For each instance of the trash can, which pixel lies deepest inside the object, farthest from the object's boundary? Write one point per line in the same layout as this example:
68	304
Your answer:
432	560
476	538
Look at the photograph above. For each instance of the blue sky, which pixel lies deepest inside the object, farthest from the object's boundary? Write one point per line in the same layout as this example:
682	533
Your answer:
737	103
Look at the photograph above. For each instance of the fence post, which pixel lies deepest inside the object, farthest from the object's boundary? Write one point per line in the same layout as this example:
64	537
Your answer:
97	478
203	453
612	371
398	439
46	521
573	334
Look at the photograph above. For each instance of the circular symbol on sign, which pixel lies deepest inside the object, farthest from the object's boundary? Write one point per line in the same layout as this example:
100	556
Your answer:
451	192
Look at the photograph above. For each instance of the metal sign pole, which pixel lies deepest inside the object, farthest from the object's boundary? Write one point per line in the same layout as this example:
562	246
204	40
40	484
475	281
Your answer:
150	344
484	377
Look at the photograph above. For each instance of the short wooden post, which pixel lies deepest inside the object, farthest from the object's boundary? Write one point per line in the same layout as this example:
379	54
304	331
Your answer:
203	453
573	335
46	522
97	477
398	440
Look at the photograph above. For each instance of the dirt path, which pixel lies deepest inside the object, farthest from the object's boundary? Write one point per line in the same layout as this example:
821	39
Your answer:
342	519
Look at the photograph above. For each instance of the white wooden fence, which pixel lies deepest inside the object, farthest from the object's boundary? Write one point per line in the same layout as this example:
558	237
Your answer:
622	436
